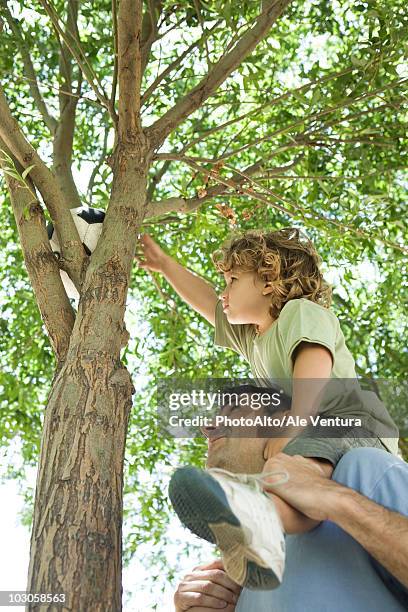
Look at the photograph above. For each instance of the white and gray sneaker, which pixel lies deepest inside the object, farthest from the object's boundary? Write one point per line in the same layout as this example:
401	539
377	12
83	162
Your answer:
234	512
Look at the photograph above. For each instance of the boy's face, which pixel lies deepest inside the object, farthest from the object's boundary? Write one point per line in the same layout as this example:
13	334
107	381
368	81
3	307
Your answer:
246	297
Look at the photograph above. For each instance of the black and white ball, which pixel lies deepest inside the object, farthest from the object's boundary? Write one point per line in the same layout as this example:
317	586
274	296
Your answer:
89	223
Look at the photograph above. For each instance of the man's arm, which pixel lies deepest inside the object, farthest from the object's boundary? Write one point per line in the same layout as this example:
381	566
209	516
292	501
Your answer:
381	532
194	290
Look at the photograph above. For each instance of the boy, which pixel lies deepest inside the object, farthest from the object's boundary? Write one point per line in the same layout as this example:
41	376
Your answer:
275	312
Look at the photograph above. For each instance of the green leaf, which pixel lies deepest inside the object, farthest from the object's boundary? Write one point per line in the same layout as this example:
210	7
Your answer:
316	96
27	170
357	61
13	173
6	157
300	97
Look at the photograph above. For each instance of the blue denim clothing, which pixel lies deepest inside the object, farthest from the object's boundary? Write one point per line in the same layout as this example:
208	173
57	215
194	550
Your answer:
326	570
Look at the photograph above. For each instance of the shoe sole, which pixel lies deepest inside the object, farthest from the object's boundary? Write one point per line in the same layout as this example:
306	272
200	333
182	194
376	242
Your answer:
202	505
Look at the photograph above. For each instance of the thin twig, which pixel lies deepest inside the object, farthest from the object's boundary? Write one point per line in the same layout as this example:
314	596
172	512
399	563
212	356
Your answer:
202	24
268	104
291	177
290	127
98	164
80	97
173	65
156	179
149	33
170	302
29	71
311	117
220	71
241	189
115	53
77	52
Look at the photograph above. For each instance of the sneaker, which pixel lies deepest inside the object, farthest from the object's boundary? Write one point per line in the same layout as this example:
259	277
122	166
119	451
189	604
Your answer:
233	511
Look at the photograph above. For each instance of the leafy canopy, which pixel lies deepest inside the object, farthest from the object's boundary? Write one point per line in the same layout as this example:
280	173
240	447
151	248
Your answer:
309	130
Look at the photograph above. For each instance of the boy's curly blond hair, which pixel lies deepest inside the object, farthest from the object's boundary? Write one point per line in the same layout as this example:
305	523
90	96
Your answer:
285	258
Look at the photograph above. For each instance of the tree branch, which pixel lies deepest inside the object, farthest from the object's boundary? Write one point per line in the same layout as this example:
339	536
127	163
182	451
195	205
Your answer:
177	62
157	177
73	259
257	110
149	29
272	176
188	205
312	117
129	68
239	187
64	134
90	101
42	266
202	24
29	72
159	131
115	60
296	141
98	164
77	52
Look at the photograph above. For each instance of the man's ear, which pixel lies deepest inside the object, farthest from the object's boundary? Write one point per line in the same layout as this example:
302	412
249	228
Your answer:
264	451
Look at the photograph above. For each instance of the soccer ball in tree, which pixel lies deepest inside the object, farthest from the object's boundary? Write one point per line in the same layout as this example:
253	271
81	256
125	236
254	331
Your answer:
89	223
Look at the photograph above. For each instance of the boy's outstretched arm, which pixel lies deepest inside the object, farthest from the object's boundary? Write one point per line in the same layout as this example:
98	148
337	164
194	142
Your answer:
194	290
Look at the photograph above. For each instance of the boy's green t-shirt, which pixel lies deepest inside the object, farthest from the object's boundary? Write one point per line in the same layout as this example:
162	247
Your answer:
270	357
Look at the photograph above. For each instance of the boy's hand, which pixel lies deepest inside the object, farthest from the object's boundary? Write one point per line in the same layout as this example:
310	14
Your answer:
150	256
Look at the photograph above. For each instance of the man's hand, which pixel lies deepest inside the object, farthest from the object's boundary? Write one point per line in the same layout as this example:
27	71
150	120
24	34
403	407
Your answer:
309	489
381	532
152	256
207	588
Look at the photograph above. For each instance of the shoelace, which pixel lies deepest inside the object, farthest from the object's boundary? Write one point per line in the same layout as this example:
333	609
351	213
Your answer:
258	480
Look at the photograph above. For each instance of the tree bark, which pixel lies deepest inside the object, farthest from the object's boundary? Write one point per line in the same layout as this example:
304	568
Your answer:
76	541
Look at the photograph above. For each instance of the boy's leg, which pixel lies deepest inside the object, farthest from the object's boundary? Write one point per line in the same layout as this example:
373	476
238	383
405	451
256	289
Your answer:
315	578
245	523
324	453
232	511
292	520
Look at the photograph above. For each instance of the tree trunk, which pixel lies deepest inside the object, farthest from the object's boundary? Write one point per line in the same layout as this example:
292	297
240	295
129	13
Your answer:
76	542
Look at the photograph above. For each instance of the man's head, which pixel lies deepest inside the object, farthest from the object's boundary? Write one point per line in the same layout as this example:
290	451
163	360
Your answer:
241	449
264	270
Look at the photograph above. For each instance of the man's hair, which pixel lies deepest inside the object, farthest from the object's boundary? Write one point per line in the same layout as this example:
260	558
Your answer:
285	258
